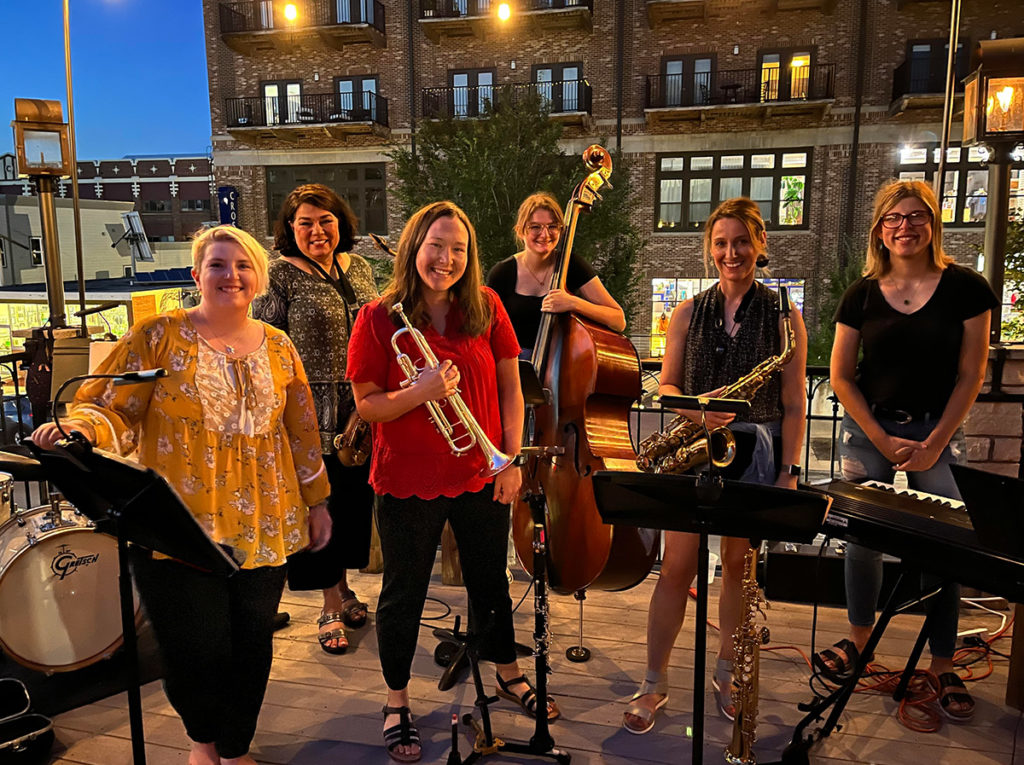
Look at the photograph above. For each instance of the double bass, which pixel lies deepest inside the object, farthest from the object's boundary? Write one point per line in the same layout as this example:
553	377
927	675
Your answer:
591	376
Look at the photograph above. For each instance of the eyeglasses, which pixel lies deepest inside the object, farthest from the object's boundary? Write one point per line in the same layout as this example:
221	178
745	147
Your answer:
915	219
535	228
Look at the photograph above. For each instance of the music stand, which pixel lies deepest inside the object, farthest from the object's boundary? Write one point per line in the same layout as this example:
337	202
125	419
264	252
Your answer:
134	504
707	504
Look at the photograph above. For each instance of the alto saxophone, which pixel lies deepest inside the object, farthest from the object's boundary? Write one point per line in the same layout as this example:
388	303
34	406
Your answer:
747	642
685	444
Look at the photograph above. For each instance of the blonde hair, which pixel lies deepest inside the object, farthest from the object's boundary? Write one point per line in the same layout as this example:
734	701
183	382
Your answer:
225	233
746	212
890	195
406	285
542	200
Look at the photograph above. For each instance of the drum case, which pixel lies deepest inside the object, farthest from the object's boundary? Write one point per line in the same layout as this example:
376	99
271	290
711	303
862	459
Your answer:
24	738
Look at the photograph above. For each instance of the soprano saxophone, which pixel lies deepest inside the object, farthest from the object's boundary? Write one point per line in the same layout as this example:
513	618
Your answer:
747	642
684	444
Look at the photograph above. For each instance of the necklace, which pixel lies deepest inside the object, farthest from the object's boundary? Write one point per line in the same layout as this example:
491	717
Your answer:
231	348
541	282
902	292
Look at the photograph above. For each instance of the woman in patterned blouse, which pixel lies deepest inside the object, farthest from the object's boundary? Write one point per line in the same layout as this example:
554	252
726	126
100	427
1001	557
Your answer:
233	430
315	288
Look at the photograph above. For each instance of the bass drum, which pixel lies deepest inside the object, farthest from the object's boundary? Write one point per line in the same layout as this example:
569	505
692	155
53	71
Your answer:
59	598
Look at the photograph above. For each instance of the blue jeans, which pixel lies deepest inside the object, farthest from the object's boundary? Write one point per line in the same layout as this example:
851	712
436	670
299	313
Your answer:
858	458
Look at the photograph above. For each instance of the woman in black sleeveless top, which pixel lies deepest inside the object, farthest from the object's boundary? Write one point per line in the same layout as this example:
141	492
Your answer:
714	339
522	281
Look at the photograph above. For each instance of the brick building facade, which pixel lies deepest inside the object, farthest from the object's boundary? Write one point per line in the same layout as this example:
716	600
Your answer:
174	195
708	98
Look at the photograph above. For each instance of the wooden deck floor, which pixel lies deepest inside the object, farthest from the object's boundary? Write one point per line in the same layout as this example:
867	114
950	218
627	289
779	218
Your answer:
326	709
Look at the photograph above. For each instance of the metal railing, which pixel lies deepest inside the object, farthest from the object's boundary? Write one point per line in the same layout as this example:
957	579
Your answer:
306	109
260	15
454	9
562	97
920	78
741	86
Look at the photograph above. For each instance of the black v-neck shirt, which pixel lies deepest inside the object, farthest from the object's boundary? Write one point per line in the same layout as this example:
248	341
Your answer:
911	361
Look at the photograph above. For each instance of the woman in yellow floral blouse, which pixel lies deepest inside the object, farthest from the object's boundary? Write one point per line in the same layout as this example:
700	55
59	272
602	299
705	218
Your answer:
232	428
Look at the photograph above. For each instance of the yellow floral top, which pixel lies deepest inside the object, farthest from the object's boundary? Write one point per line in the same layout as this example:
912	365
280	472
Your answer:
237	438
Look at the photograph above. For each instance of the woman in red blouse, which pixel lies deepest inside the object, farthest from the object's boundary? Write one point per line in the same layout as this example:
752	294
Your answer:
420	482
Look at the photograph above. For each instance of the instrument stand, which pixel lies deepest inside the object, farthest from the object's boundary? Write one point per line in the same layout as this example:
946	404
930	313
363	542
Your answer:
578	653
797	752
541	744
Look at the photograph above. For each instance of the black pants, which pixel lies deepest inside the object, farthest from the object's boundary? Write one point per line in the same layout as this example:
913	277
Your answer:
215	637
410	530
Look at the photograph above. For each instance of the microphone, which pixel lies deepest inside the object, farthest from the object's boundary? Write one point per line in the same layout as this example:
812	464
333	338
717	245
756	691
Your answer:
142	376
97	309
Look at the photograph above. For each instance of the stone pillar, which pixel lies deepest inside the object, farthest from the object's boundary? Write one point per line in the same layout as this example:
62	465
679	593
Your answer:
994	424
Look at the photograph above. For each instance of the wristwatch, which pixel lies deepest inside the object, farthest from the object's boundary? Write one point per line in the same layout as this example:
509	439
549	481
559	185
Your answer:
790	470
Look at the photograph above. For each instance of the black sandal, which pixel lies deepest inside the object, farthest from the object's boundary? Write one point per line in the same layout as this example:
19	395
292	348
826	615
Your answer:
353	611
528	699
842	664
953	691
403	734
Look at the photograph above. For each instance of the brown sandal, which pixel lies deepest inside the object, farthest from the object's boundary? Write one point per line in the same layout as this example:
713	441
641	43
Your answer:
332	617
528	699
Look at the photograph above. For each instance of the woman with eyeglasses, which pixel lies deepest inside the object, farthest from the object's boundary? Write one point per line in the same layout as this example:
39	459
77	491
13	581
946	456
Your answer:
523	281
922	323
713	339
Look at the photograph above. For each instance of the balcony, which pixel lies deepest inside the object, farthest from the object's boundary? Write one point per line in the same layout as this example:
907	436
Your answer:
295	117
662	11
251	26
922	85
441	19
568	101
826	6
805	89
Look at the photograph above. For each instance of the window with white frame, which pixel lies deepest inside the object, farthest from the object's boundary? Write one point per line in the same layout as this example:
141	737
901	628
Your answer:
691	185
965	181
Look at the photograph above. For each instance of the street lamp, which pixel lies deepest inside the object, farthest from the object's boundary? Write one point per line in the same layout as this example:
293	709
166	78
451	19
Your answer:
291	12
504	11
994	116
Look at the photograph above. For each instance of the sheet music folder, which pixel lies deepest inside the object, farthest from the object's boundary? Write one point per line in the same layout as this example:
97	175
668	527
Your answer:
686	503
148	510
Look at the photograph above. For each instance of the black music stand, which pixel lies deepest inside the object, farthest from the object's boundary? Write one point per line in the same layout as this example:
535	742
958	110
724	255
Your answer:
707	504
136	505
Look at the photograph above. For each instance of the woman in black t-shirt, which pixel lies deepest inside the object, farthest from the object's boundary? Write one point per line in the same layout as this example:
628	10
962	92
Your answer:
922	323
523	280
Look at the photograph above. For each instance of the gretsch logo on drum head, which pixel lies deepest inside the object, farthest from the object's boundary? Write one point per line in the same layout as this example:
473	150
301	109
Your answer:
66	562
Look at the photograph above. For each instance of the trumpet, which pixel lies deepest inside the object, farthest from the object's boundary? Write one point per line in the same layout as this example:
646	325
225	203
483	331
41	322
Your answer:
471	434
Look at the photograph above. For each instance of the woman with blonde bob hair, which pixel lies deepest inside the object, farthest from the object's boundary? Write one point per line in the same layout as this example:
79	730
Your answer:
523	281
919	324
232	428
419	481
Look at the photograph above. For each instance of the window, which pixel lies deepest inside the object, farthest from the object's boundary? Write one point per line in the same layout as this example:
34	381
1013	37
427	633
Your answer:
471	90
926	66
357	99
785	74
691	185
282	102
194	205
687	80
361	185
354	11
156	205
35	245
965	181
559	86
3	255
666	294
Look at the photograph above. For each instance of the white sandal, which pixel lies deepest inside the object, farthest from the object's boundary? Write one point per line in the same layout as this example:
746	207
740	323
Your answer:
651	686
723	678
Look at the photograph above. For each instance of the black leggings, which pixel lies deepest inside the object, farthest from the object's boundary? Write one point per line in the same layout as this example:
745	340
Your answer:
215	637
410	530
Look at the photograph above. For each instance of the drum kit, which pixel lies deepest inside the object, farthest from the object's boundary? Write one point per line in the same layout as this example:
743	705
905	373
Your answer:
59	605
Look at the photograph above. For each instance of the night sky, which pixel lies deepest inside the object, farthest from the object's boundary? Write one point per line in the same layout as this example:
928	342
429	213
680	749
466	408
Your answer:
138	69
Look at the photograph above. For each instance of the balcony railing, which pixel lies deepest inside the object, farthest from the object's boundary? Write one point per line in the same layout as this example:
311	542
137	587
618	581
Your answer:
914	78
260	16
306	109
566	96
453	9
741	86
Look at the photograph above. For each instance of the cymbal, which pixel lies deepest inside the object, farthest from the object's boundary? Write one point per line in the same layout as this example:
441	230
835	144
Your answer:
15	460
